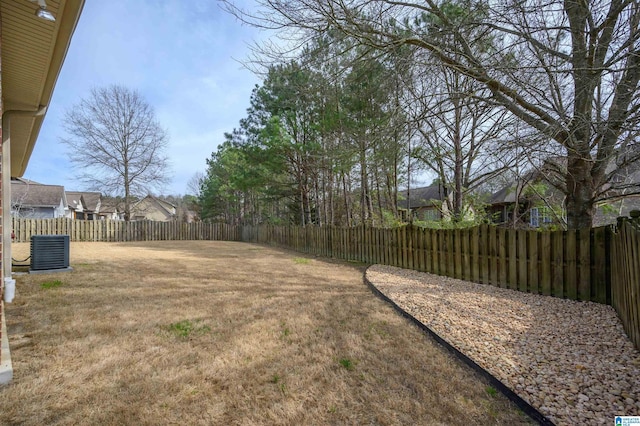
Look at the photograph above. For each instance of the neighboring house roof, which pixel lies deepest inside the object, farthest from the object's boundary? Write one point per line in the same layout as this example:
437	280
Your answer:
75	201
37	195
167	206
504	196
150	205
109	205
33	51
624	181
422	197
507	194
621	207
91	201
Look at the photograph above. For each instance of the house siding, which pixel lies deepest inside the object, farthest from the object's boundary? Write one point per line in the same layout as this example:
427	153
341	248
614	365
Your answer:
40	212
37	201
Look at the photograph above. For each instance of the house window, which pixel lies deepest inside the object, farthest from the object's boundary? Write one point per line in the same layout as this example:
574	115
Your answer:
538	216
534	217
431	214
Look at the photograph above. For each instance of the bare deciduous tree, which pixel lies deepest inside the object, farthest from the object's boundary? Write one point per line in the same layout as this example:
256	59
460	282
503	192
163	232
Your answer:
114	138
464	140
194	184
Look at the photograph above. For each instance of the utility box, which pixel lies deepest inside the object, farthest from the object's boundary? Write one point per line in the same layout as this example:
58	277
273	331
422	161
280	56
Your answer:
49	253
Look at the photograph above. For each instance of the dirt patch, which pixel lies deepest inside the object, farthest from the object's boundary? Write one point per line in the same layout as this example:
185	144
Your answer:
225	333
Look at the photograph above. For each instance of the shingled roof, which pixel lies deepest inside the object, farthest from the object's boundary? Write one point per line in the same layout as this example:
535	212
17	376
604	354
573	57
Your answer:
74	199
506	195
110	205
91	199
36	195
421	197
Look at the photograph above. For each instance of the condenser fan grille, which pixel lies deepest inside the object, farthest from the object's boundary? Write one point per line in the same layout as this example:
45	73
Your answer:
49	252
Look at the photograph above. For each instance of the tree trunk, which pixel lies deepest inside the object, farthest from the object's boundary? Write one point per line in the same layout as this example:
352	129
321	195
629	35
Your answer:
458	156
331	219
301	194
580	189
346	199
364	185
457	191
127	195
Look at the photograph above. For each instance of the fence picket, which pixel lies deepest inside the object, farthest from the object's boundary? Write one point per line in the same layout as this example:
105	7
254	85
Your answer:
558	264
533	262
584	267
571	273
493	256
625	276
521	236
513	259
599	269
502	257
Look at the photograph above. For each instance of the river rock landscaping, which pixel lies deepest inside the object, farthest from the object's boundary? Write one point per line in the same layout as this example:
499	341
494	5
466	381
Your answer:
570	360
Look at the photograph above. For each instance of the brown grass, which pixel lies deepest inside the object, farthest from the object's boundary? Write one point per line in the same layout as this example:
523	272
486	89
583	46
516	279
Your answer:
225	333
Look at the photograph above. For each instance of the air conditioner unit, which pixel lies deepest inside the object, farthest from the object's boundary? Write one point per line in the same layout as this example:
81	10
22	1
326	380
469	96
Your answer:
49	253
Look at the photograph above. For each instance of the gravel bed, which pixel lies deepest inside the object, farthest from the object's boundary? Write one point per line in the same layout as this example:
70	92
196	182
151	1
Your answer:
571	360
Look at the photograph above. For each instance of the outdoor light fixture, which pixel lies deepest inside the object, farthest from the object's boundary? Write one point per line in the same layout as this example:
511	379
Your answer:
42	11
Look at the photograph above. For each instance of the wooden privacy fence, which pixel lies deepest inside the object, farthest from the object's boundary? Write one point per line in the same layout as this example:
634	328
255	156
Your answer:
117	230
600	264
568	264
625	277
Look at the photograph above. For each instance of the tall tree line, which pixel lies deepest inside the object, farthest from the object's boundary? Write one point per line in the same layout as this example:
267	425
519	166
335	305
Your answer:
568	70
320	145
332	136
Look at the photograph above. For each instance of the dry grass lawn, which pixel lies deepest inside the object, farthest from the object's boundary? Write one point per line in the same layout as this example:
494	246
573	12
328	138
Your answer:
225	333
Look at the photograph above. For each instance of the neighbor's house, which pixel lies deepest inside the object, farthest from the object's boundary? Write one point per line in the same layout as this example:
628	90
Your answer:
152	208
34	200
527	202
84	205
111	208
623	194
502	204
540	205
608	213
32	51
427	203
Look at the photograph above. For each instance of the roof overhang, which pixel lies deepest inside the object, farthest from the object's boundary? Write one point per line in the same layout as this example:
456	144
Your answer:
33	51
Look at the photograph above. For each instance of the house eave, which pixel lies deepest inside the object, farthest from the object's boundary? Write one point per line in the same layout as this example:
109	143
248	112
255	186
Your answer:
33	52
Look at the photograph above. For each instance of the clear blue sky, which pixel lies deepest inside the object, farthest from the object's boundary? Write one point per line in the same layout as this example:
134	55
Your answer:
180	55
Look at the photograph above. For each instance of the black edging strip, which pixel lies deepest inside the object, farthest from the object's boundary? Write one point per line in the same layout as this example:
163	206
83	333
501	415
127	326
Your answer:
511	395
